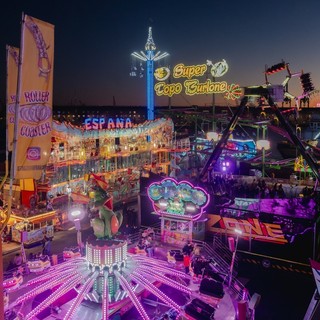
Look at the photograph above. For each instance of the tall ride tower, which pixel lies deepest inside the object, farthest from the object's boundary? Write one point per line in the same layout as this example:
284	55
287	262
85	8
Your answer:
150	56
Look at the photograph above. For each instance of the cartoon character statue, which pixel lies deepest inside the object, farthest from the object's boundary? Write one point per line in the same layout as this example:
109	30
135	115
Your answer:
108	222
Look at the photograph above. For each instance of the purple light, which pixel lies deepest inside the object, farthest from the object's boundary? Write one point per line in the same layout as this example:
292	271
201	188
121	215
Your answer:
105	300
77	275
84	290
65	287
132	296
158	275
153	289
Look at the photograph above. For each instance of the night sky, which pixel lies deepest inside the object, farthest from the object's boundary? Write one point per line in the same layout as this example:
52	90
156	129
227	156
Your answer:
94	41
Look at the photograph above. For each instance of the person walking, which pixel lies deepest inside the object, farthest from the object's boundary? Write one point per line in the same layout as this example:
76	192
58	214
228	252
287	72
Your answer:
186	263
17	260
150	250
196	251
47	247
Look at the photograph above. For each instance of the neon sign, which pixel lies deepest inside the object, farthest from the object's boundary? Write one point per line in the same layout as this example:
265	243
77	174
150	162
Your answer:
261	231
194	86
182	71
109	123
170	197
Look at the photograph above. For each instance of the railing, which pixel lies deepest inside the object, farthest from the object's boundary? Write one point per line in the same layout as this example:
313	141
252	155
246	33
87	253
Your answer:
222	256
221	260
219	253
12	271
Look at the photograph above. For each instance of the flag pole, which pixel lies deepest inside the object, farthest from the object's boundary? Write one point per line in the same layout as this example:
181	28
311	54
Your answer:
13	160
2	183
16	121
16	110
7	140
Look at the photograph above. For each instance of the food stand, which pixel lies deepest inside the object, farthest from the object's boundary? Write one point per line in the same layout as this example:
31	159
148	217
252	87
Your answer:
33	228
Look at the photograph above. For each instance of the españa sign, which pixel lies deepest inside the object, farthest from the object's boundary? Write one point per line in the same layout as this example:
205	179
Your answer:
192	86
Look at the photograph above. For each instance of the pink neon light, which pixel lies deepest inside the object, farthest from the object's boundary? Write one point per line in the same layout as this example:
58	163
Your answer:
133	297
72	273
84	290
105	298
145	282
170	282
68	285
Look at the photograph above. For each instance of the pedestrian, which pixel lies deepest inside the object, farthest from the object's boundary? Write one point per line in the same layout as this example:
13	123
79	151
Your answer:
196	265
5	235
186	263
150	250
47	248
188	248
17	260
196	251
185	248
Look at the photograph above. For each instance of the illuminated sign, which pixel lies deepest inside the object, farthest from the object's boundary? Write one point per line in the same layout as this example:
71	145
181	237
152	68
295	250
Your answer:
162	74
170	197
107	123
262	231
182	71
193	86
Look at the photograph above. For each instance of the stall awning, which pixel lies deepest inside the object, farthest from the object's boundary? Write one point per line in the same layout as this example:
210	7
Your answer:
34	219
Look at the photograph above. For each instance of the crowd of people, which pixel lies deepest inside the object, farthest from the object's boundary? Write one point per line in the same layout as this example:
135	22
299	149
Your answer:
193	260
230	187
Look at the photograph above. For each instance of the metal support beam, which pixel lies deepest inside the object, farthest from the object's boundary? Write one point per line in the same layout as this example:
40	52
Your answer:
295	139
224	139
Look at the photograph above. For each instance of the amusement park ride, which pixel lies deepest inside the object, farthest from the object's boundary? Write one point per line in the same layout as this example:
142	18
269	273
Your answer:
116	279
108	275
293	219
270	94
149	56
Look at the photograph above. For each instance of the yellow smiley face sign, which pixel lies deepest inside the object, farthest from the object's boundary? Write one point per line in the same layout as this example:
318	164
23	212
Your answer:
162	74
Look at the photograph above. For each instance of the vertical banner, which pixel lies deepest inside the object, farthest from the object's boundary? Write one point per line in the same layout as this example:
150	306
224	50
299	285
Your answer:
34	116
12	78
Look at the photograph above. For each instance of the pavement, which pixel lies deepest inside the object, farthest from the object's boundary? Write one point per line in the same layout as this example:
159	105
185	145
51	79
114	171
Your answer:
10	247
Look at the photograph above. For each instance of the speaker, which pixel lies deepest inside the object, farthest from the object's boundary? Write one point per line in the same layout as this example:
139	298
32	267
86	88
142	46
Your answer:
117	141
254	301
211	288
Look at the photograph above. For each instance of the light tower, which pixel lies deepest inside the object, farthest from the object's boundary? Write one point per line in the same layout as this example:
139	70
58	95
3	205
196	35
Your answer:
150	56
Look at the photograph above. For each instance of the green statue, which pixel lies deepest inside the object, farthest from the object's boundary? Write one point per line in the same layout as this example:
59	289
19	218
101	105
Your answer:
108	222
